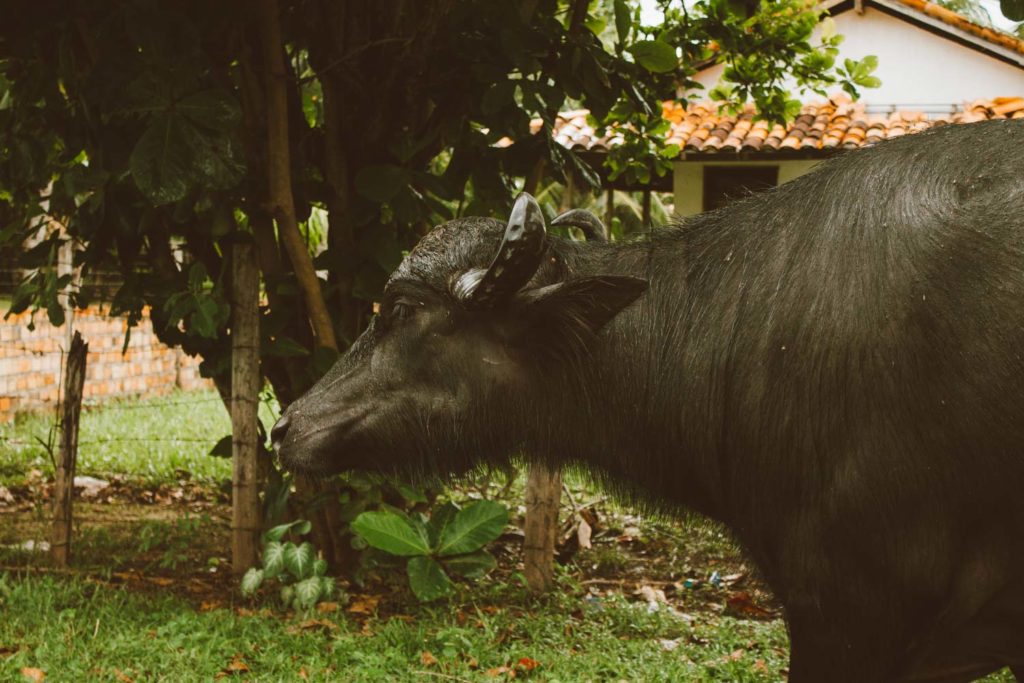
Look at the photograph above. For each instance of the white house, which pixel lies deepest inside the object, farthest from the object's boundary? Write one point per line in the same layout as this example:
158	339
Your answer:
935	67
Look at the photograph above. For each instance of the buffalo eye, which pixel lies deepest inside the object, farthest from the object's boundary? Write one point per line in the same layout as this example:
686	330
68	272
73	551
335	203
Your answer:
403	308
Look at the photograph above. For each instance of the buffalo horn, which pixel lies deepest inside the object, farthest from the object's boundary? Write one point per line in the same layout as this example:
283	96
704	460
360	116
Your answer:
589	224
517	259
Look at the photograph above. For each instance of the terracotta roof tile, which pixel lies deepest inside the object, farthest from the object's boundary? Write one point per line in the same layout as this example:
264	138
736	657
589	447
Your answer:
836	123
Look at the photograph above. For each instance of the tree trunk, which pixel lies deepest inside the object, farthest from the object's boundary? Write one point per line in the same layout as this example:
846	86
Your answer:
282	207
543	495
63	487
246	519
279	179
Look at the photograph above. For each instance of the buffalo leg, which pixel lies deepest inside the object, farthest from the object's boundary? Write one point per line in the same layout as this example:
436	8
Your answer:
818	653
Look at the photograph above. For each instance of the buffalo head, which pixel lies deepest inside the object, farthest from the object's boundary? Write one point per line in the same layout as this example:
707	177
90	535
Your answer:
457	364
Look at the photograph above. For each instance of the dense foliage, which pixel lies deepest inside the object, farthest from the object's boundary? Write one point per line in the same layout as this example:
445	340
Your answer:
153	134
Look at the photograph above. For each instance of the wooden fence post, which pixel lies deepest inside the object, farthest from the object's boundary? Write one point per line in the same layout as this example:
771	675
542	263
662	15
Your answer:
543	496
64	484
246	519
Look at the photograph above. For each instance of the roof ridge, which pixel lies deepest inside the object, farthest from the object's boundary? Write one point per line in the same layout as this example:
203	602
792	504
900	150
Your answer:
957	20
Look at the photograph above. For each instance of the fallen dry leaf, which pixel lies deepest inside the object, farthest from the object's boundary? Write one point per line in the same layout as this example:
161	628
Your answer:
160	581
527	664
583	532
122	676
237	666
327	607
302	673
498	671
760	667
33	674
427	659
743	604
313	625
210	605
363	604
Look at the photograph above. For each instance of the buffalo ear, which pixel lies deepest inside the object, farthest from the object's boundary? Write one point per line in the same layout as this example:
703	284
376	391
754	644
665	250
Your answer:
580	307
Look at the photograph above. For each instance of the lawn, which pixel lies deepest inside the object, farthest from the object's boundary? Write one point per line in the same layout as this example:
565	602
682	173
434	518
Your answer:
150	597
155	438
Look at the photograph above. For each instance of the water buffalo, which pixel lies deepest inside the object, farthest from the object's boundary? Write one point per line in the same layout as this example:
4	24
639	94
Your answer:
834	369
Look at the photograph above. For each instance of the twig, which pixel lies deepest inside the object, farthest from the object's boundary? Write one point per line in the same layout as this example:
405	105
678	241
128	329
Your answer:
572	501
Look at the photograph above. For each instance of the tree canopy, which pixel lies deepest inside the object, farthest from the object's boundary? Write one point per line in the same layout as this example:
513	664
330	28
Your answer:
154	133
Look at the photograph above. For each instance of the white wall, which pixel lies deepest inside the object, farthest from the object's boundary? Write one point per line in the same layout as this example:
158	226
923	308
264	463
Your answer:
916	66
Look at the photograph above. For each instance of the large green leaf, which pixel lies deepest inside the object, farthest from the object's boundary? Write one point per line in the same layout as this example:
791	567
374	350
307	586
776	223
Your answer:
654	55
299	526
252	580
161	163
391	533
273	559
299	559
308	592
440	518
472	565
427	579
215	109
473	527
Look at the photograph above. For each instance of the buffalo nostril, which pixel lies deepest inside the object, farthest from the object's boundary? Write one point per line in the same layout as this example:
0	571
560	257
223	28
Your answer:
278	431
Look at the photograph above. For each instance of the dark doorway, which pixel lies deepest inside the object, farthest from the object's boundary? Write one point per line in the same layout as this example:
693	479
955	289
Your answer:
723	184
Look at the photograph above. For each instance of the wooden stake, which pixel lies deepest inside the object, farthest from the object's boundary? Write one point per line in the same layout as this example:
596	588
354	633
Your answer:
543	495
246	520
63	487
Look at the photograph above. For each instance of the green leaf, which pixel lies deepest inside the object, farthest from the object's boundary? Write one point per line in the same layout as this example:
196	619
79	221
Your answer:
273	559
471	566
161	163
319	566
326	587
222	449
308	592
669	151
252	581
1012	9
411	493
869	81
299	527
287	593
391	533
214	109
473	527
380	182
654	55
623	24
439	521
299	559
427	579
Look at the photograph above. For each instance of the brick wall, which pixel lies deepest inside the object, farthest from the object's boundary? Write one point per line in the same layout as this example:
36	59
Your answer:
30	361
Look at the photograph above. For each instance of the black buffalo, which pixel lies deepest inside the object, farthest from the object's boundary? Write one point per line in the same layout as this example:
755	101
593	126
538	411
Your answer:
834	369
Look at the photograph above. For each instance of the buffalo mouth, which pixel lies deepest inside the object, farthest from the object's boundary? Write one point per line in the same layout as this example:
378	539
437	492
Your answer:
316	450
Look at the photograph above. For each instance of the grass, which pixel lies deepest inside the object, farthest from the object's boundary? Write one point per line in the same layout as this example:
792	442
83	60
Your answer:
153	438
80	631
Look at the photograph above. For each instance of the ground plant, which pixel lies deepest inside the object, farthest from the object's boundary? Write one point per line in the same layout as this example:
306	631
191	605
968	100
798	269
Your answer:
297	567
452	540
